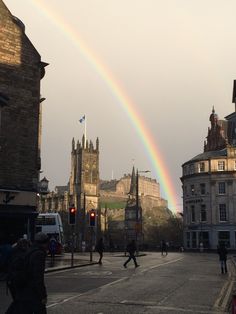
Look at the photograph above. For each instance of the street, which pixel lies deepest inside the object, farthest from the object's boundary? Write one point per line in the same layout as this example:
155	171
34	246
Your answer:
176	283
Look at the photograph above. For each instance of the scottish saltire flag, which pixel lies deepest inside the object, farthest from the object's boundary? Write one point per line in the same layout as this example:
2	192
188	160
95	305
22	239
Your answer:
82	119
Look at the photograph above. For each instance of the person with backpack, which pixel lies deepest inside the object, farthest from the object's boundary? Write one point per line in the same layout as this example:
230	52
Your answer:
131	249
30	292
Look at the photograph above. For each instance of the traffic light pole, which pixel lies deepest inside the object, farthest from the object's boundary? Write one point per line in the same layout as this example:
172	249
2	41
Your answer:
91	244
72	245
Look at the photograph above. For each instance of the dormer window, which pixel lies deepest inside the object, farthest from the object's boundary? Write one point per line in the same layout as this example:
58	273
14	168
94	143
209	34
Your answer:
221	165
201	167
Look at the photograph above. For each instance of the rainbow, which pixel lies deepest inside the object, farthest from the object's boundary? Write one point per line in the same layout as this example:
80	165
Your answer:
127	105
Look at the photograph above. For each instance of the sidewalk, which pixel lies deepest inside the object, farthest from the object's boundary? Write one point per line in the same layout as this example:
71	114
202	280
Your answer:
65	261
61	262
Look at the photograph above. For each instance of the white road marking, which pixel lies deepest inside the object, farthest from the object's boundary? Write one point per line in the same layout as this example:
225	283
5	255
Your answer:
159	265
87	292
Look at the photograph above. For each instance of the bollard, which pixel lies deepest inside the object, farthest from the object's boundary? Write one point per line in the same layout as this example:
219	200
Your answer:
234	304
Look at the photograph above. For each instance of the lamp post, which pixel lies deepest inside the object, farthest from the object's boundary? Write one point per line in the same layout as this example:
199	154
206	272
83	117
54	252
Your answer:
138	226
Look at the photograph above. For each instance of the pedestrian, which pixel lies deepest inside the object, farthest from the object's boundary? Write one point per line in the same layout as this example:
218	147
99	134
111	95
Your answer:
15	265
31	297
163	247
131	249
222	251
52	249
100	250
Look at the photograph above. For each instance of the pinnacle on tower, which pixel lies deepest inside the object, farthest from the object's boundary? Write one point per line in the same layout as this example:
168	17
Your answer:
133	183
97	144
83	141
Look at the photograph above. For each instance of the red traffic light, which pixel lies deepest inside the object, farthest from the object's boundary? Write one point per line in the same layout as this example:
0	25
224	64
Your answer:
72	216
92	218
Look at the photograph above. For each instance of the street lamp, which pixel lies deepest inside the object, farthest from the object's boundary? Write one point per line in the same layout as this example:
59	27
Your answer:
138	228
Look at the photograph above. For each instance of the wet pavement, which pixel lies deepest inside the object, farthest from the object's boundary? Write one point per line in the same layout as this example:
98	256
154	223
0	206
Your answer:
66	260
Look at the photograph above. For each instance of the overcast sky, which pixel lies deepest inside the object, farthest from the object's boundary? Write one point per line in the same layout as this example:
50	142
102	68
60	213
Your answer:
174	58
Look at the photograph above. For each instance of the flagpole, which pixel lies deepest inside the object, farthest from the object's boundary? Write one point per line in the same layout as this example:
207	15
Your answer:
85	129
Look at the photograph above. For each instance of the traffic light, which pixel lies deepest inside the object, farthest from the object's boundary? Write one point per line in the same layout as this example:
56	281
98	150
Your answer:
72	215
92	218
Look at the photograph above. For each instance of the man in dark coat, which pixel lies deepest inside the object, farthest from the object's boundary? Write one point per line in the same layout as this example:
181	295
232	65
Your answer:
222	251
131	248
32	298
163	247
100	250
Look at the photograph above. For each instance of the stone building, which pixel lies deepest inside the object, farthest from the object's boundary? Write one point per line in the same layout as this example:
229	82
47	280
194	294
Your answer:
82	191
209	189
21	70
118	207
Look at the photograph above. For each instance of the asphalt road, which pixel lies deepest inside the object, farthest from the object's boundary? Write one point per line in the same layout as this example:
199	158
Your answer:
176	283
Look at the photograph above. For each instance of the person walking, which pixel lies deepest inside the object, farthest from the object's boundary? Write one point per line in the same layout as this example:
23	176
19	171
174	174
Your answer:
100	250
31	298
131	249
163	247
52	249
222	252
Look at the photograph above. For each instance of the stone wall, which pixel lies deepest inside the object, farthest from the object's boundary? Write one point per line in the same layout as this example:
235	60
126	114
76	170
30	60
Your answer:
20	74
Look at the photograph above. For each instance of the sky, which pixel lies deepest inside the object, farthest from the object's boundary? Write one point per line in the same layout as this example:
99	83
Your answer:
174	59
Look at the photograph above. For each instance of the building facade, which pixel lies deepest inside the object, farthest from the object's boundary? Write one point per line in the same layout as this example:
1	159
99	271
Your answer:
209	189
82	192
21	70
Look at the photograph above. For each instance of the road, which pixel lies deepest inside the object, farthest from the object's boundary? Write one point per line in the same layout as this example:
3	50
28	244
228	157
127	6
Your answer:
176	283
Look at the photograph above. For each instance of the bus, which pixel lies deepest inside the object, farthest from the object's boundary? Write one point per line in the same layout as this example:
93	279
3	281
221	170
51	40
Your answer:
51	224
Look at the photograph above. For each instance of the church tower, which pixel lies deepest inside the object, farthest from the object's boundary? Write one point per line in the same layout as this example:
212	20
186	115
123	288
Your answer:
84	181
133	212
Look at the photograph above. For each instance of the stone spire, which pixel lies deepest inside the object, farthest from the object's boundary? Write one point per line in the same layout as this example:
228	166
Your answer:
97	144
132	190
83	141
216	139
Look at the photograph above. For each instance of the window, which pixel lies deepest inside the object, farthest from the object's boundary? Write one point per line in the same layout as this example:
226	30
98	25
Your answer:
191	169
224	237
221	165
185	190
203	216
193	213
201	167
221	186
194	239
192	189
202	188
223	214
188	239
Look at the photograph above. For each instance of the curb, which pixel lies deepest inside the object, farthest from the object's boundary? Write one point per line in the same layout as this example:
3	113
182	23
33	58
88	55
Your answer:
54	269
231	289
